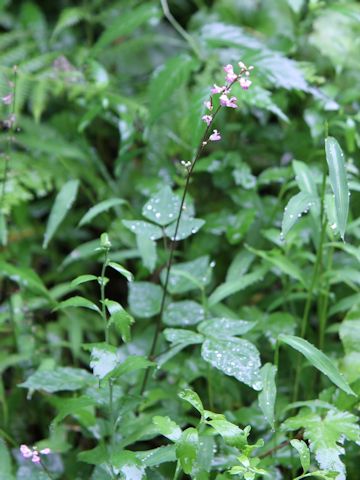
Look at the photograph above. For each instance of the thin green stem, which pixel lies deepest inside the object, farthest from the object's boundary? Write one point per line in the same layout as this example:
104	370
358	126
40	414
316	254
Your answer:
102	296
314	281
177	471
46	470
202	145
183	33
324	300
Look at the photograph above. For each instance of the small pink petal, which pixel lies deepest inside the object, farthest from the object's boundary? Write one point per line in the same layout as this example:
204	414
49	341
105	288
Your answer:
25	451
207	119
245	83
7	99
35	458
229	68
215	136
45	451
217	89
208	105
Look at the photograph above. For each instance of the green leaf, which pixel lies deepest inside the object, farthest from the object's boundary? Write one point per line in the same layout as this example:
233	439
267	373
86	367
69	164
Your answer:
127	463
104	359
303	452
165	426
224	327
179	335
298	204
235	357
68	18
5	462
63	202
126	23
57	380
83	279
122	270
304	178
187	448
232	434
122	321
147	249
145	299
166	81
144	229
95	456
130	364
71	406
338	181
183	314
193	398
319	360
78	302
233	286
325	434
157	456
163	207
24	276
267	396
187	226
100	208
188	276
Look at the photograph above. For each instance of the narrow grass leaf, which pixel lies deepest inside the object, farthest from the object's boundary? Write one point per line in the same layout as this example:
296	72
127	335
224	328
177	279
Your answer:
100	208
298	204
338	181
304	453
319	360
63	202
267	396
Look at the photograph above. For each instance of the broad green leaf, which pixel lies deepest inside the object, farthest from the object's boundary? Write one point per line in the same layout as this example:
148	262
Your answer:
125	24
325	434
78	302
224	327
71	406
145	299
95	456
5	462
83	279
167	427
100	208
24	276
298	204
144	229
232	434
166	82
304	178
187	449
303	451
104	359
277	323
267	396
122	270
233	286
163	207
338	180
157	456
235	357
128	465
130	364
188	276
183	314
63	202
147	249
187	226
180	335
122	321
57	380
318	359
193	398
350	331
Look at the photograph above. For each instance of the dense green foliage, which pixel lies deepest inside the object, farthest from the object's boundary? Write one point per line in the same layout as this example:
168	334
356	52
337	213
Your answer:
255	372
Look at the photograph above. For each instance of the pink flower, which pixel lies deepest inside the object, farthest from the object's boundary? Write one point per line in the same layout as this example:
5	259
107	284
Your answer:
215	136
25	451
208	105
33	453
7	99
245	83
228	102
217	89
231	76
207	119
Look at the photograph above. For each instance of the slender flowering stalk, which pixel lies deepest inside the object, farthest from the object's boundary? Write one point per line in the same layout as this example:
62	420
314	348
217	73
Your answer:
33	453
224	101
